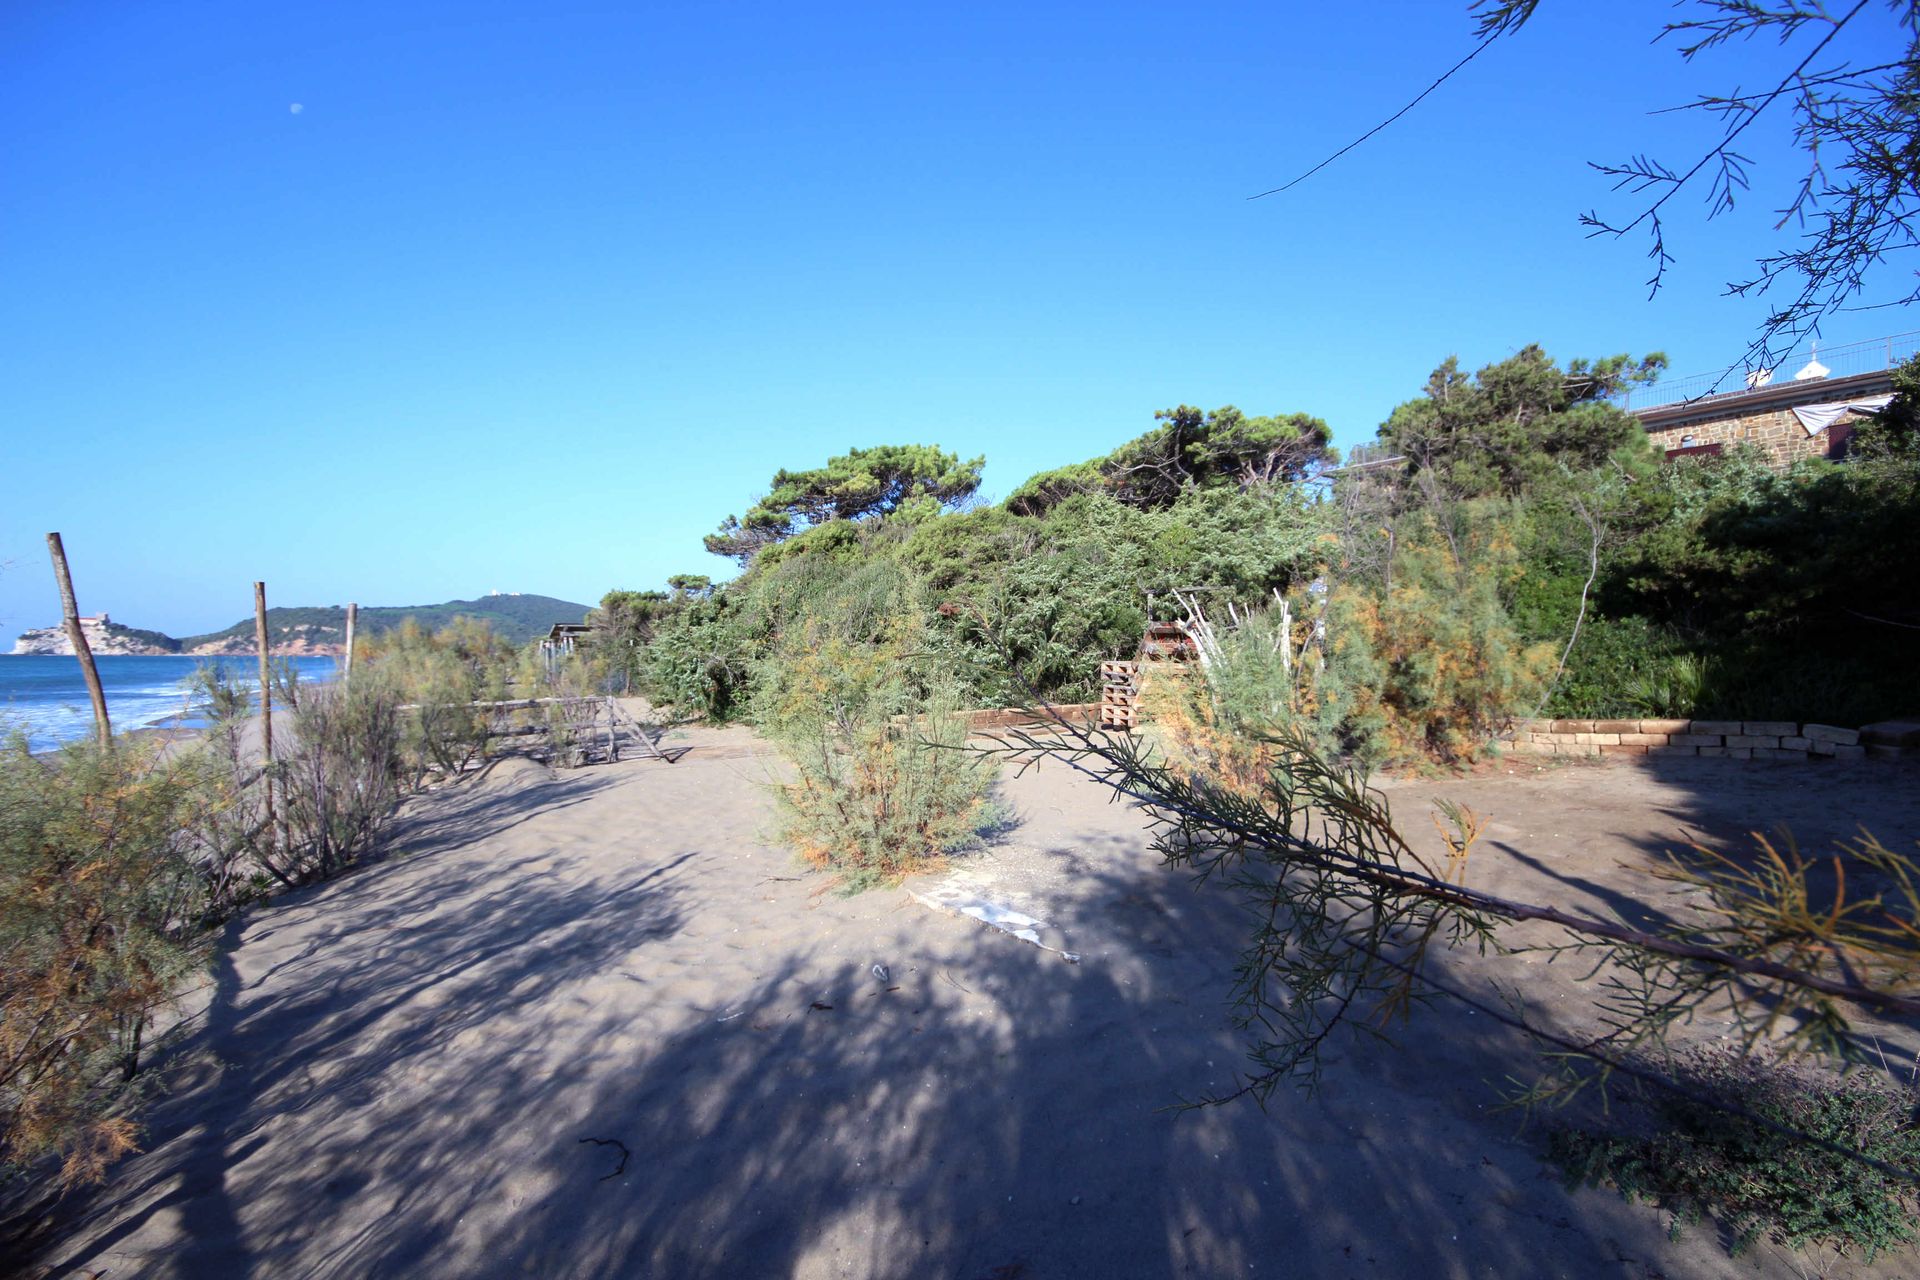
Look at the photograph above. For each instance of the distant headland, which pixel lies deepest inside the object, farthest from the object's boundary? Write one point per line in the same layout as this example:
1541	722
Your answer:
311	631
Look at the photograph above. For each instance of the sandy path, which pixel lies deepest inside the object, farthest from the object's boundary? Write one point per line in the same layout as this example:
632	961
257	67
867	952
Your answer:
396	1074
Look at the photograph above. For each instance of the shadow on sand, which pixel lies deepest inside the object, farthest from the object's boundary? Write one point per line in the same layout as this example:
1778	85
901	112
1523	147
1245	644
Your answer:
545	1064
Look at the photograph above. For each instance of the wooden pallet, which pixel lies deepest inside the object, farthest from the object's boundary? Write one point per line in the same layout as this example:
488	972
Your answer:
1119	693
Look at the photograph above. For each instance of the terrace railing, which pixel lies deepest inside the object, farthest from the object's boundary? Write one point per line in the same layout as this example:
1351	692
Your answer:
1870	356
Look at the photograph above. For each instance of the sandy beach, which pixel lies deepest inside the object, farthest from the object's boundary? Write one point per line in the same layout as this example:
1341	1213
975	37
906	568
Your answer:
589	1023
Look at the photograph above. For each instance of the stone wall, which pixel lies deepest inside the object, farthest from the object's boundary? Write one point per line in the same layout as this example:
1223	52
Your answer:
1763	417
1775	431
1737	739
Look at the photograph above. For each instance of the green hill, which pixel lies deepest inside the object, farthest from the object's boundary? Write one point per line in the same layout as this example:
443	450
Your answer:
157	640
516	618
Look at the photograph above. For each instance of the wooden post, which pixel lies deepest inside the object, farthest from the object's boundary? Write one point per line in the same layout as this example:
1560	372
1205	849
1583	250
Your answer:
70	612
613	741
1286	640
266	694
353	616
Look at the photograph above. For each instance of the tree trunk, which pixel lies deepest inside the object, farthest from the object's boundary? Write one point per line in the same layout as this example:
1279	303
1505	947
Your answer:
266	700
353	618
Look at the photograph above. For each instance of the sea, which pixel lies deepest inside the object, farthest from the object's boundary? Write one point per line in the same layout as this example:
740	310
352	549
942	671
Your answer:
46	697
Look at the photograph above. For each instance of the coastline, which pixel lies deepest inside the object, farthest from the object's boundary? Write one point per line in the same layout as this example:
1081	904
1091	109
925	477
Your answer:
45	696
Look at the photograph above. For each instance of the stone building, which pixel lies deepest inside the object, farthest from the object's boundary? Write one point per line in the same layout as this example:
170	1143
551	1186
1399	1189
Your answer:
1810	415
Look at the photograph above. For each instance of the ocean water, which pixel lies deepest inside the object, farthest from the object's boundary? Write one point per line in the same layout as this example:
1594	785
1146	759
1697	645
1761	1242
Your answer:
47	698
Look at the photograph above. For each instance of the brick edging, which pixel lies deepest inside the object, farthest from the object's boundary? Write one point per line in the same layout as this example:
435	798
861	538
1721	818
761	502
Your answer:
1737	739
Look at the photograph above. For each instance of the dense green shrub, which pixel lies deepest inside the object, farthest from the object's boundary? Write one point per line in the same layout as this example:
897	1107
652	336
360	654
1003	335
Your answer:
1424	662
98	903
1019	607
1525	512
1670	688
1837	673
1628	666
1190	451
1702	1160
340	778
867	715
442	674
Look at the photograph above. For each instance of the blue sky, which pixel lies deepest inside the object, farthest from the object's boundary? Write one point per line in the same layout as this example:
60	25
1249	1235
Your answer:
400	303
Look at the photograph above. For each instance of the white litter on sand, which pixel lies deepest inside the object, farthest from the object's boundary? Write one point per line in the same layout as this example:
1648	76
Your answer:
958	896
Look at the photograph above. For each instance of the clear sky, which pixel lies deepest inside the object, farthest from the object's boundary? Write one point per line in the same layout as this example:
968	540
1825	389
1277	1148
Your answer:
403	302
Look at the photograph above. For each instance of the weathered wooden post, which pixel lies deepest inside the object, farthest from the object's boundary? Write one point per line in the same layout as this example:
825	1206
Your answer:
70	612
353	617
1286	639
266	695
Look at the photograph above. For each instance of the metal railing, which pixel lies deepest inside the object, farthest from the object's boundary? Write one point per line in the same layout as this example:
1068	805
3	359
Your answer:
1871	356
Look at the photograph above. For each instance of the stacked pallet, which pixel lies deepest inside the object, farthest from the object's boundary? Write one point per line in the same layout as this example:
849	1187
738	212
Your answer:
1119	695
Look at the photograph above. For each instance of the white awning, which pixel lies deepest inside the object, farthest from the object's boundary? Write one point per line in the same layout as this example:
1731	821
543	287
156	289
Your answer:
1818	417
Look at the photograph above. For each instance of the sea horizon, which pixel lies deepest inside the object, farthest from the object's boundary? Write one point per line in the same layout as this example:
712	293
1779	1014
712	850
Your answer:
46	696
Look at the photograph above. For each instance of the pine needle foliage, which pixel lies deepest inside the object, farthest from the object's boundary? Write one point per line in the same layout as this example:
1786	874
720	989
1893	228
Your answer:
1349	915
339	783
440	674
98	902
867	716
1424	660
877	798
1702	1160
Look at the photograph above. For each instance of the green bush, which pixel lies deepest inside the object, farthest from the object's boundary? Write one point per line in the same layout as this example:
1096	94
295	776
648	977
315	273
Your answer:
1424	662
1669	688
1617	667
1701	1160
99	898
339	780
876	798
1850	673
868	717
442	673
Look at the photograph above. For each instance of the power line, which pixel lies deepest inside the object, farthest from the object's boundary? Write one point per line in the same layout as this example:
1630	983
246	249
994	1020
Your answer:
1477	51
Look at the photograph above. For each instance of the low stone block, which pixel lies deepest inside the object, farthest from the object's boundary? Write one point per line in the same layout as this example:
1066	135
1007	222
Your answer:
1739	753
1623	749
1769	728
1891	733
1779	753
1527	747
1573	726
1880	751
1721	727
1597	739
1702	740
1848	751
1796	744
1713	751
1616	726
1821	748
1643	739
1751	740
1577	749
1832	733
1673	751
1666	726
